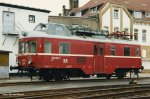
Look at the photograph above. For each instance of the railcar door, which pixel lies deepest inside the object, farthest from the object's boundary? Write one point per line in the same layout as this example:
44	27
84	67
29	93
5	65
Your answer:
99	58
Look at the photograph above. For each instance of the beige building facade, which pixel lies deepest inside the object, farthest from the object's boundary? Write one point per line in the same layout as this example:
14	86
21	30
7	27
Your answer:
75	21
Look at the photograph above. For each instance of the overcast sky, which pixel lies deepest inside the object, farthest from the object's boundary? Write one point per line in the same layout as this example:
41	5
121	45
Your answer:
53	5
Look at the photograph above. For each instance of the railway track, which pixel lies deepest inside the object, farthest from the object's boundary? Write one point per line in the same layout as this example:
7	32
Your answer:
21	83
96	92
66	81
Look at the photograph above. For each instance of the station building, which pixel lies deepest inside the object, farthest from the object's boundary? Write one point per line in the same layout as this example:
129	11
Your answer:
131	16
13	20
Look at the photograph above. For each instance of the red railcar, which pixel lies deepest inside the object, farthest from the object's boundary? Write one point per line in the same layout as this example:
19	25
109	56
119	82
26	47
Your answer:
59	56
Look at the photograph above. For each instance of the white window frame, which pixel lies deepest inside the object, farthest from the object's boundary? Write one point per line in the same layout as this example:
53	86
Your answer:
144	35
32	18
116	14
136	32
137	14
94	9
116	29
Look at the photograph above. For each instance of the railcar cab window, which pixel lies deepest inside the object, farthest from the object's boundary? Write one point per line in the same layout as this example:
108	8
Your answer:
28	47
64	48
126	51
113	51
137	51
47	47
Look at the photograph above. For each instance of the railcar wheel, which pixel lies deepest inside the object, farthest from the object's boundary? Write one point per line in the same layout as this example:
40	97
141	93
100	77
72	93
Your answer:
108	76
120	75
45	75
60	76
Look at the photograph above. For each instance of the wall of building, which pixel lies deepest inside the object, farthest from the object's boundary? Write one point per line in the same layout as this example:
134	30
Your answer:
126	21
106	20
145	45
146	57
116	21
109	21
81	22
4	72
140	27
21	18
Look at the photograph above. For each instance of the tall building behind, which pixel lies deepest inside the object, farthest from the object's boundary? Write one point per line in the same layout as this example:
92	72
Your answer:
72	4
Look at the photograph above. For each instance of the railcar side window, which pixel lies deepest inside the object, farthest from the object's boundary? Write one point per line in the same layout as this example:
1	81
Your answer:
126	51
95	50
29	47
101	50
33	47
26	47
113	51
47	47
21	47
64	48
137	51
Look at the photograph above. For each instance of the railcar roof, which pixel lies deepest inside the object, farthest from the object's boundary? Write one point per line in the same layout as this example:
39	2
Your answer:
44	35
66	34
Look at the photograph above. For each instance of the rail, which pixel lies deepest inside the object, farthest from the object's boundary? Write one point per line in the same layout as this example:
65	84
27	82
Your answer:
122	91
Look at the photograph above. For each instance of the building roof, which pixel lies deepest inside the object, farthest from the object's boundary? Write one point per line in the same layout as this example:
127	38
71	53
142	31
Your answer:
24	7
139	5
4	51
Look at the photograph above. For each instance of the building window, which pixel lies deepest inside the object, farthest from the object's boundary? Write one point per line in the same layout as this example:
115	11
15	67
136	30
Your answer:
144	35
94	9
64	48
113	51
47	47
137	14
144	53
136	34
137	51
106	30
116	29
126	51
116	14
147	14
126	30
32	18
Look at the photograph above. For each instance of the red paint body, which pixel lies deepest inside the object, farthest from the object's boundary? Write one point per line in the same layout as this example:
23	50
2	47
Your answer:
81	56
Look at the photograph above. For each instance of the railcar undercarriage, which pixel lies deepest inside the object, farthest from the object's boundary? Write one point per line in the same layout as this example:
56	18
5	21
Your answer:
64	74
